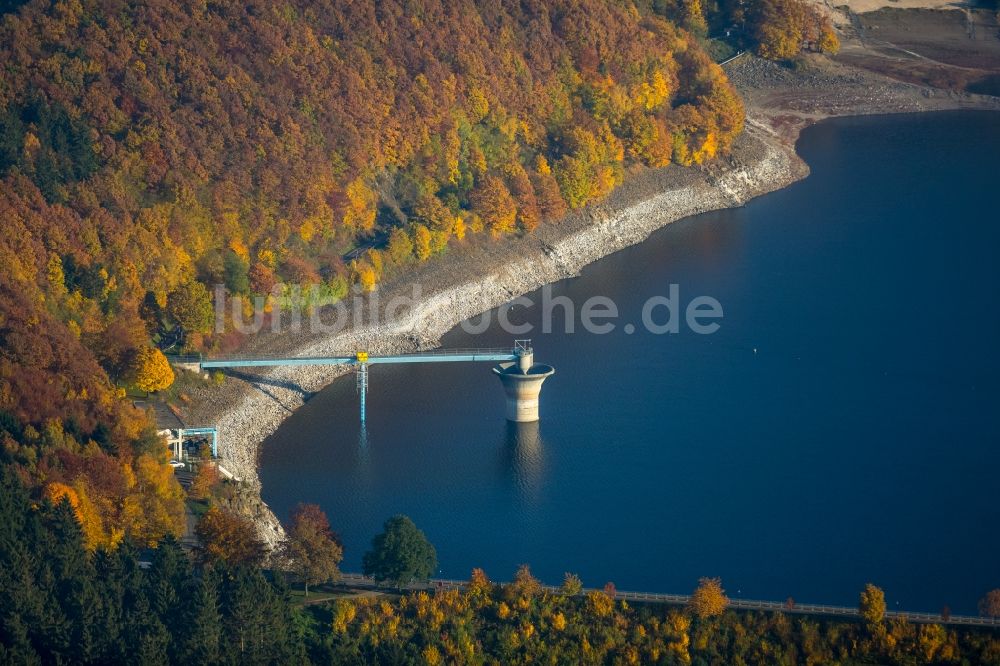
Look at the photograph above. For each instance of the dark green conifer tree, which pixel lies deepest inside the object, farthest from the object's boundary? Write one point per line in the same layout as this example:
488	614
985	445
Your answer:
200	641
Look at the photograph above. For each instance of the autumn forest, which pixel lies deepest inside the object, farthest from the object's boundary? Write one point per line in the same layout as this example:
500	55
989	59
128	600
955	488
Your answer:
150	151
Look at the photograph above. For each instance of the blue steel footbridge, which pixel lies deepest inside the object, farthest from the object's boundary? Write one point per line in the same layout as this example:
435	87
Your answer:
516	370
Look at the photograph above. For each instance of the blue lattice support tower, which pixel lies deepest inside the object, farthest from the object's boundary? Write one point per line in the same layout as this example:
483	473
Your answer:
362	385
519	358
213	432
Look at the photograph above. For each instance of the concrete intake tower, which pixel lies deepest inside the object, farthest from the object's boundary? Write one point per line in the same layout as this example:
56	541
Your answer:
522	382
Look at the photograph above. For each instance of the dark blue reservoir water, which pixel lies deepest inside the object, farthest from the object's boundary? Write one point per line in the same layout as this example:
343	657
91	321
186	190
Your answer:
859	442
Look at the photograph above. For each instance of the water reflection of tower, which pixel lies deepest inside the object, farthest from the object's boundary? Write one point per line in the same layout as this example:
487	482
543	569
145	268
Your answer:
523	458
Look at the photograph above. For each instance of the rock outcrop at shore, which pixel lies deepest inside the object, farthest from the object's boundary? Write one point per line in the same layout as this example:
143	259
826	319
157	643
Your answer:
464	285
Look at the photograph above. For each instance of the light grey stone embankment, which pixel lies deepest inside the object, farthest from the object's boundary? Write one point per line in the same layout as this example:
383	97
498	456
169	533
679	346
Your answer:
466	284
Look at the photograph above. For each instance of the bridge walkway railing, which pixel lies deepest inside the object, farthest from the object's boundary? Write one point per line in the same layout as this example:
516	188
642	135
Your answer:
347	356
358	580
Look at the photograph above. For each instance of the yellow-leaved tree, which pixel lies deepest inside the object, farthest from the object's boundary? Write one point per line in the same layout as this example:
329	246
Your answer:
56	492
871	605
421	242
83	509
828	41
364	275
160	499
709	599
400	247
150	371
359	211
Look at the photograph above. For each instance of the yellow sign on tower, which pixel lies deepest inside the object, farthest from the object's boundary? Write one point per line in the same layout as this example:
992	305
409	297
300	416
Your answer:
362	357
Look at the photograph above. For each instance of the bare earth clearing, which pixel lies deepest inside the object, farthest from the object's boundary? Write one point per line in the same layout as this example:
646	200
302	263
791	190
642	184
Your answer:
953	49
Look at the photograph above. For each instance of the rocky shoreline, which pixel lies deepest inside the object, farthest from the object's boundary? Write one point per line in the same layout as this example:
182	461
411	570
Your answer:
477	278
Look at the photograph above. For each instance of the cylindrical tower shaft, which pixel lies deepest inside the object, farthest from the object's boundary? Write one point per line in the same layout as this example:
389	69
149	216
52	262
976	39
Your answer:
522	385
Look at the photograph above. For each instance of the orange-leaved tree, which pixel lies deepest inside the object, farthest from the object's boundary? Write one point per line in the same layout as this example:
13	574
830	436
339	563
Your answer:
494	203
205	479
312	550
226	537
989	606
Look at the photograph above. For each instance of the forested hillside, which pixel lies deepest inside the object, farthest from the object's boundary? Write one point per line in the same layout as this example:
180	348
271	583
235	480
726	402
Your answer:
148	145
71	606
150	150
